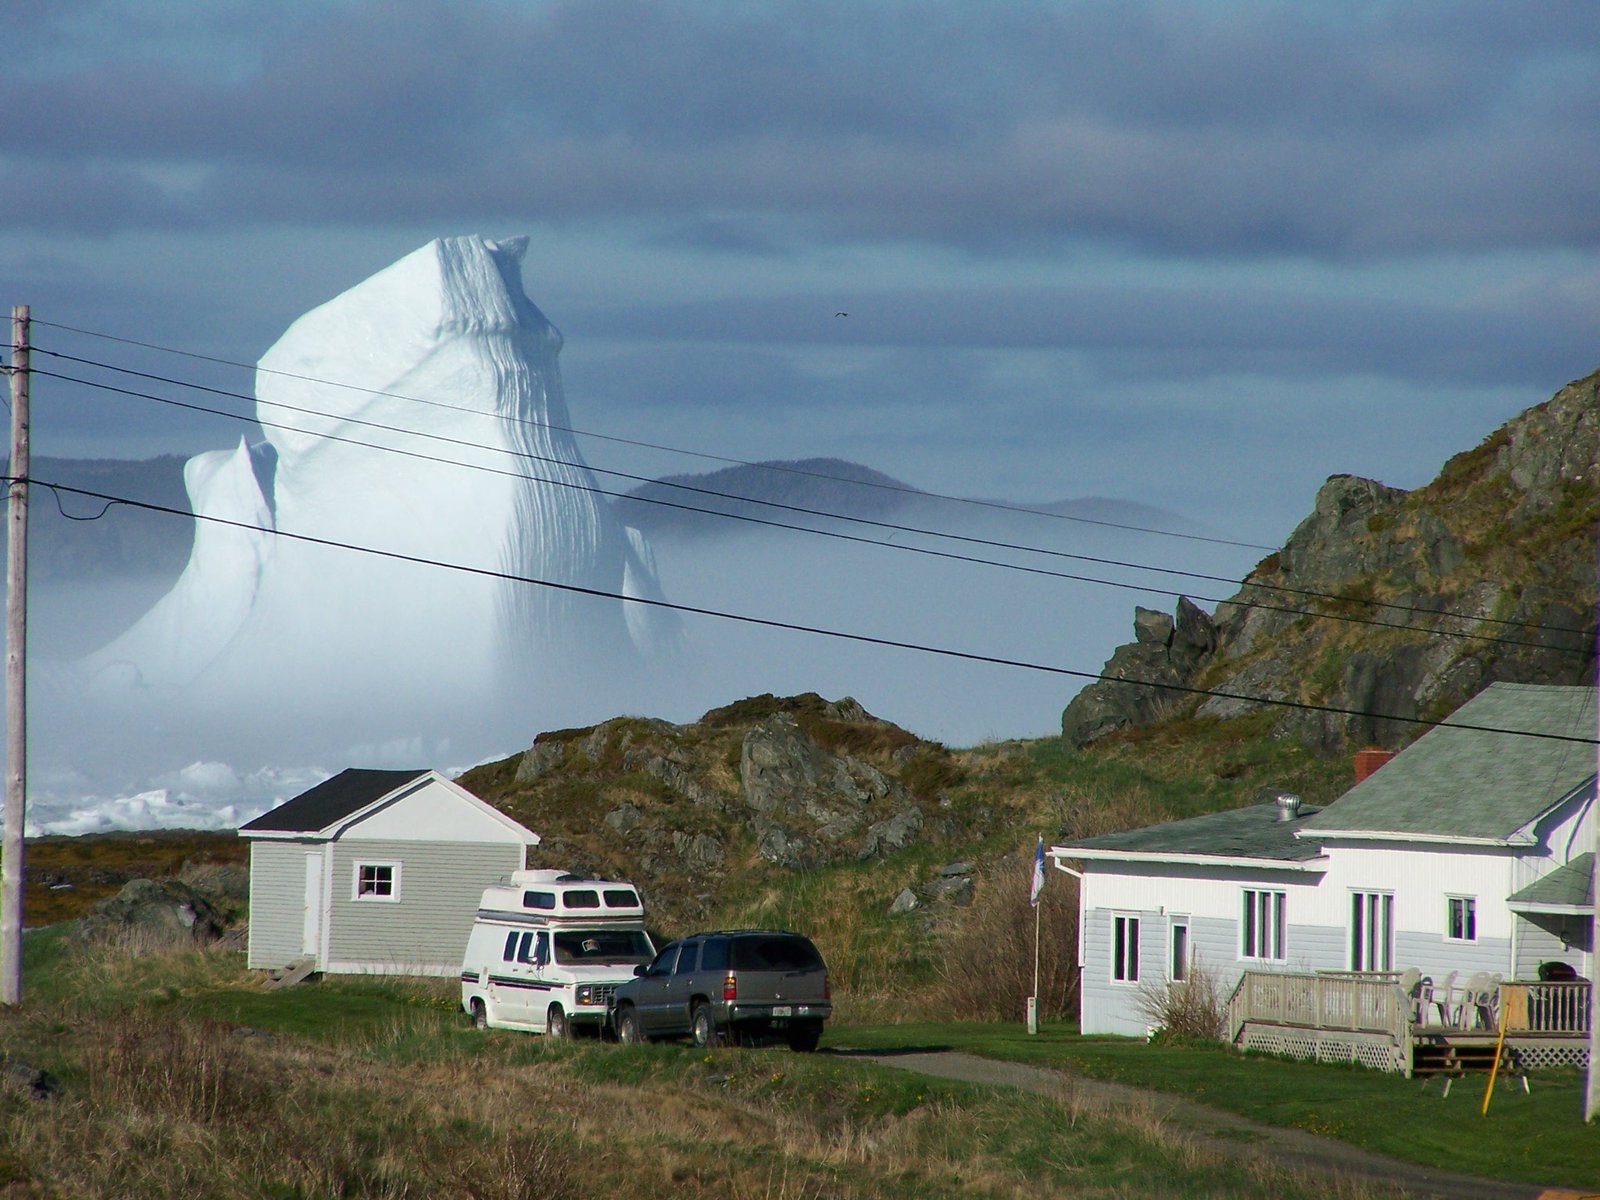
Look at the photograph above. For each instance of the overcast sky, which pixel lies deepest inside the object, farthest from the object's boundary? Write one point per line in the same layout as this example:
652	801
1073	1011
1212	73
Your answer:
1200	255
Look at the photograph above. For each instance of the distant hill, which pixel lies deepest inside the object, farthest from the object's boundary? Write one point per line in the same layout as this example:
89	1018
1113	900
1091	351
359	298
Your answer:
1486	574
663	509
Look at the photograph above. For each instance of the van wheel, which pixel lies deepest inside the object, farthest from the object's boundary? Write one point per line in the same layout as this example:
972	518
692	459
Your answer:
703	1027
556	1024
628	1031
803	1039
480	1015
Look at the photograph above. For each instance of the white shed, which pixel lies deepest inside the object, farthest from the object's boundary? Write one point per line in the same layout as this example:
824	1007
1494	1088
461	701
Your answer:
376	872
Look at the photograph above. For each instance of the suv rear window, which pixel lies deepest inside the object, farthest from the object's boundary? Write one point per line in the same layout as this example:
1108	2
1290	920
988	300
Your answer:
774	953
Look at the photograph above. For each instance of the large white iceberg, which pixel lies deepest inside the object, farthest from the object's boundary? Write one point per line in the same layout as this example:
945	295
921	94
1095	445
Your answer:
443	343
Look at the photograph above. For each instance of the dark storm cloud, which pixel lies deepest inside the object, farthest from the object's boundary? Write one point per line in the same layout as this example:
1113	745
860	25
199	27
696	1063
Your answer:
1197	129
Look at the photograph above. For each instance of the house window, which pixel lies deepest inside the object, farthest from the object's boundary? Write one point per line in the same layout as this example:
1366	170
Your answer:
1262	929
1371	931
377	881
1178	967
1461	918
1125	949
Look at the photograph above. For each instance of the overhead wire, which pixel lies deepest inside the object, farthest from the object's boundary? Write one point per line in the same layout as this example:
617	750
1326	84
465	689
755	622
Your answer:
1309	593
796	627
784	468
749	519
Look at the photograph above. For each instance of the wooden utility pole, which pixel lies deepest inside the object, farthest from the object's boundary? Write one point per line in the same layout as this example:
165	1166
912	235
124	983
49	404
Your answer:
1591	1104
16	670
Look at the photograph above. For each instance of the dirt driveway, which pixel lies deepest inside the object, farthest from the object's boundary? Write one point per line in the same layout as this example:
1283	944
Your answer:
1292	1149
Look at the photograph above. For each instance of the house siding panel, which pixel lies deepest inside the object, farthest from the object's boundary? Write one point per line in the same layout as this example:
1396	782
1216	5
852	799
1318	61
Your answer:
277	902
1108	1006
425	931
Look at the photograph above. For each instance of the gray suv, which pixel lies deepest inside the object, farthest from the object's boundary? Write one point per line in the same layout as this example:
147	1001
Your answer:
739	986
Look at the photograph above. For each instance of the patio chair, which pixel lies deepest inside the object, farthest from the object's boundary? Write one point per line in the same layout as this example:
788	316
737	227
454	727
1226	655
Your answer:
1478	996
1442	997
1411	980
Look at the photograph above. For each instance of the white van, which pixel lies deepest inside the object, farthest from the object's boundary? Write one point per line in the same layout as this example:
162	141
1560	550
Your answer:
548	949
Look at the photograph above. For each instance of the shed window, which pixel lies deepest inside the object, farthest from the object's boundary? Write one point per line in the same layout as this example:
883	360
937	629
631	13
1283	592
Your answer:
1461	918
377	881
1262	929
1125	949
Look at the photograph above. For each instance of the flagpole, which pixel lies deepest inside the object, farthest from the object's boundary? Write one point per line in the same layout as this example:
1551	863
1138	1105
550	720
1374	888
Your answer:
1034	889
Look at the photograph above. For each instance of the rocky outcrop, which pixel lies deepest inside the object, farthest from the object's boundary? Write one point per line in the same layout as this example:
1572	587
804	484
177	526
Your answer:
159	911
1388	604
1165	650
810	806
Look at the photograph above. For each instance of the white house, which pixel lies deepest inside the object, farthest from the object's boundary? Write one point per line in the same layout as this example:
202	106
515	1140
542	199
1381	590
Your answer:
1468	851
376	872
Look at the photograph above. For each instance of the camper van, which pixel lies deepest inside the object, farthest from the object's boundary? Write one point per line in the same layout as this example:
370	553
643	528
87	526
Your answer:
548	949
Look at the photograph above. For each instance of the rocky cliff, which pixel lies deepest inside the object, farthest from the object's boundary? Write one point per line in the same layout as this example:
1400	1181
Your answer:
1391	602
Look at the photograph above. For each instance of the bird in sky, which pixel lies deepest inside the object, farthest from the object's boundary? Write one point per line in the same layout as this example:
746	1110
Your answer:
841	314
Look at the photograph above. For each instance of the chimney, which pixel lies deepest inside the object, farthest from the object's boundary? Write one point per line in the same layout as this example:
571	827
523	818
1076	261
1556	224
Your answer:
1288	806
1370	759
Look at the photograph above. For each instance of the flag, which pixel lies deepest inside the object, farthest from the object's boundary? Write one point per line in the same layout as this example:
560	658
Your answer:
1038	873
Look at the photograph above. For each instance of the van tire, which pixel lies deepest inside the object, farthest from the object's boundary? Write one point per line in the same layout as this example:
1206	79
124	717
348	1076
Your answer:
556	1024
628	1031
480	1015
703	1027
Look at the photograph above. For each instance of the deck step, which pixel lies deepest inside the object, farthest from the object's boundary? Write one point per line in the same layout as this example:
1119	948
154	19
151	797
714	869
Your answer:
296	972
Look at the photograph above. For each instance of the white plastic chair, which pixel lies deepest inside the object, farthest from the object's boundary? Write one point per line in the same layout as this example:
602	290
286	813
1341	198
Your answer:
1443	998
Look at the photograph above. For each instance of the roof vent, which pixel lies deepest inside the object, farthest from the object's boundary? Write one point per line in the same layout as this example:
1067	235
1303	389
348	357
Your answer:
1288	806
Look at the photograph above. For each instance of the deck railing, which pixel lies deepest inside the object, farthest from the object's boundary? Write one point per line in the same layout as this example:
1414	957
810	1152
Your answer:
1553	1009
1374	1003
1345	1002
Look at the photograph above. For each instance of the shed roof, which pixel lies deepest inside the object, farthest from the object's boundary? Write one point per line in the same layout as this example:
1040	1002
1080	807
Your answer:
1567	887
1474	785
1254	832
331	801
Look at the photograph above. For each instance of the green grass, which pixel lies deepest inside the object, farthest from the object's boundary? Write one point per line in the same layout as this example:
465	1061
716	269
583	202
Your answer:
1537	1137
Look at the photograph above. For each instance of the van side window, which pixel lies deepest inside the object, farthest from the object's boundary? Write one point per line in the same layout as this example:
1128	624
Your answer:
714	955
587	898
525	951
687	959
511	946
621	898
539	900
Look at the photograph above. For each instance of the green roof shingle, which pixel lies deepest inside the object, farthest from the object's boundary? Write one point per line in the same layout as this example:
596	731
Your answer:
1469	783
1253	832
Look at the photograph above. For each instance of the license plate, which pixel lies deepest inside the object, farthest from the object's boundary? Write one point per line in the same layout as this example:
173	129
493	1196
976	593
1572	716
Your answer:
782	1010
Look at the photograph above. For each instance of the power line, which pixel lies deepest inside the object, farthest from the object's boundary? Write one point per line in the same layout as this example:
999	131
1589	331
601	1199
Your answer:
794	627
895	526
644	445
835	534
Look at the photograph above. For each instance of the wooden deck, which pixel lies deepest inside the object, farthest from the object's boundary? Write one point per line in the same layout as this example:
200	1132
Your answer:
1368	1018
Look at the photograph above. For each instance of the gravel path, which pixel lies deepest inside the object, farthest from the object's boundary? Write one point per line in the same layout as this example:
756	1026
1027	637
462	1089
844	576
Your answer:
1293	1149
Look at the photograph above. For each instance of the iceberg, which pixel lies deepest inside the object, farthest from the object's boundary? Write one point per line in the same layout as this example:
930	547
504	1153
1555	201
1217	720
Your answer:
417	419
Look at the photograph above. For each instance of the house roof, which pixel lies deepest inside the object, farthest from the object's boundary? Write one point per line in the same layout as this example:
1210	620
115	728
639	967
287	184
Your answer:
1254	833
331	801
1569	888
1471	785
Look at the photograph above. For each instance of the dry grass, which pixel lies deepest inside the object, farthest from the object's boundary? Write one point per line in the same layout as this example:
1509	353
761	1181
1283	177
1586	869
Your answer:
1196	1007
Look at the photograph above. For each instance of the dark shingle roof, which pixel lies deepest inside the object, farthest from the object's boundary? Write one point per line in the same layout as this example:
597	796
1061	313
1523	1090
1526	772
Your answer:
1569	886
330	801
1253	832
1466	783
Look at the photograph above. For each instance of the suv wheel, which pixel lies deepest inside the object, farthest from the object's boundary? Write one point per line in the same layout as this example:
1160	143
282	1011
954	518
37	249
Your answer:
803	1039
703	1027
628	1031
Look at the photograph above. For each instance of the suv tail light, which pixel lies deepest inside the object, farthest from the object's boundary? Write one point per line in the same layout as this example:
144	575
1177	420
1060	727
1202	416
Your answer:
827	988
730	986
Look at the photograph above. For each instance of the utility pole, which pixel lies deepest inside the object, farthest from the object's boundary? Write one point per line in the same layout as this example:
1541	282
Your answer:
1591	1104
16	669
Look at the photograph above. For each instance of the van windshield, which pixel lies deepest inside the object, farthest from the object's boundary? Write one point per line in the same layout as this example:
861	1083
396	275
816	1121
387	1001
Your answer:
603	946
